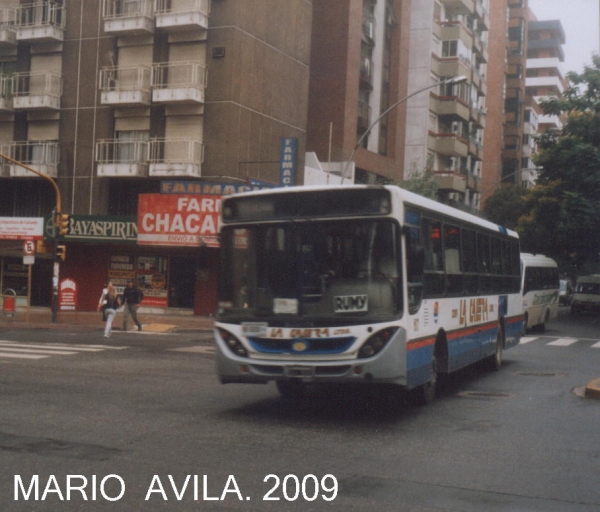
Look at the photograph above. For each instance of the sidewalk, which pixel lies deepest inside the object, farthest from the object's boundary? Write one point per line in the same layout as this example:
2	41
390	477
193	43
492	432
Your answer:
152	319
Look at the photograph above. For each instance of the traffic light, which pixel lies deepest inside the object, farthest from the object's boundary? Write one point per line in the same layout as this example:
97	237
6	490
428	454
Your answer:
61	252
62	222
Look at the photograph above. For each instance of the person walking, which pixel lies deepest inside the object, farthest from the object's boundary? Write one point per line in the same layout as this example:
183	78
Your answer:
132	296
109	303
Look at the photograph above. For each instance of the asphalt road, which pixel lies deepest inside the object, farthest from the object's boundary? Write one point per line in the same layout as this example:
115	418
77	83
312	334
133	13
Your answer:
127	423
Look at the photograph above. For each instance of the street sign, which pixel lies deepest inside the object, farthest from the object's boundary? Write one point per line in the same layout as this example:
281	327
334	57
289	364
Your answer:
29	248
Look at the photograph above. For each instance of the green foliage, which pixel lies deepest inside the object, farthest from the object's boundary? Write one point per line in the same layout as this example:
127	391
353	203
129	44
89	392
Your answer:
563	211
422	183
506	206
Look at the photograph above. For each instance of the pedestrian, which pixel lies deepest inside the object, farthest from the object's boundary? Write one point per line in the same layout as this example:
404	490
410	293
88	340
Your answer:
132	296
109	303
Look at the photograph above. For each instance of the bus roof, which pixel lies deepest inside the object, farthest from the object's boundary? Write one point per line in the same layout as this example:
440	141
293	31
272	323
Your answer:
397	192
538	259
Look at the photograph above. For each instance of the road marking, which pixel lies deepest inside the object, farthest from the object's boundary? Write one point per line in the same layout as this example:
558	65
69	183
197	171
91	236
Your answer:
527	339
596	345
563	342
202	349
25	350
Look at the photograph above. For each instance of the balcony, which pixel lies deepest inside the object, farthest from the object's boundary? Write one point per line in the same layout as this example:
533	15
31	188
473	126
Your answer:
448	180
449	144
128	17
176	157
178	82
451	66
36	91
547	82
39	155
8	30
448	106
125	86
40	22
459	6
122	158
452	30
182	15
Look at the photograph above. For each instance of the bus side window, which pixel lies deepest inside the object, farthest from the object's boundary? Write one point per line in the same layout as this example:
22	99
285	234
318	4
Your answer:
415	258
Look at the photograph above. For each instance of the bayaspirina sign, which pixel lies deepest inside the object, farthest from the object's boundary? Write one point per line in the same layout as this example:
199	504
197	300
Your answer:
178	219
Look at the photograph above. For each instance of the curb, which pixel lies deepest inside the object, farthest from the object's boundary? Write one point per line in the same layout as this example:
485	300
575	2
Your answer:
592	390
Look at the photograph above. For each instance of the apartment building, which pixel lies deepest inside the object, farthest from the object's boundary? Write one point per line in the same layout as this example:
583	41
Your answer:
359	69
135	108
445	126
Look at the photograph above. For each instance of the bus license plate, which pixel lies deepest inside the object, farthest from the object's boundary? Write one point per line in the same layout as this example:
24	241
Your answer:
299	371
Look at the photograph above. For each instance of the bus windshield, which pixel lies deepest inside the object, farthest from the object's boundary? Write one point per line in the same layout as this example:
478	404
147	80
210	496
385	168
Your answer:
329	272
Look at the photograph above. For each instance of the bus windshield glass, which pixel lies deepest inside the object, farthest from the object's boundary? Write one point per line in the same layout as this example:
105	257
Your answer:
328	272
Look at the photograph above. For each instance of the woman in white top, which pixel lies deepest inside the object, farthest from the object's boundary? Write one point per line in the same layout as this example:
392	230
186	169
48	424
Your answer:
109	303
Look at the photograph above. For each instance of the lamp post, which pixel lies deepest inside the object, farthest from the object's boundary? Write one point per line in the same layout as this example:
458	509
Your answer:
454	80
55	219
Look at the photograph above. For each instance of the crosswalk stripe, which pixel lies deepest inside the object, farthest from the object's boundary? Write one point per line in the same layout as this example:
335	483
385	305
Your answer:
527	339
22	356
61	352
25	350
563	342
59	346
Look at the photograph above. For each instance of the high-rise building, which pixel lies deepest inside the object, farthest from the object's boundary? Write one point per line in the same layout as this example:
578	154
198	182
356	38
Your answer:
359	69
445	126
122	103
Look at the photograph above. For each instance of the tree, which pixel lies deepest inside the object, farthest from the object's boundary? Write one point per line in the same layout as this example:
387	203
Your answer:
506	206
563	210
422	183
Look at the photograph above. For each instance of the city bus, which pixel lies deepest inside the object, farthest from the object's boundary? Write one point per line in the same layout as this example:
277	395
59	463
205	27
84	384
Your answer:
361	284
541	290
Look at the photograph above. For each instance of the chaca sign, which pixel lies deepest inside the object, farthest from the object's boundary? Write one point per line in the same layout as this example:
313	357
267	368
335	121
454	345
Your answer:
179	219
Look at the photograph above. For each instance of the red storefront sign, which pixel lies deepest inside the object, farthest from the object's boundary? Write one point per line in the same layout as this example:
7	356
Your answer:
67	295
178	219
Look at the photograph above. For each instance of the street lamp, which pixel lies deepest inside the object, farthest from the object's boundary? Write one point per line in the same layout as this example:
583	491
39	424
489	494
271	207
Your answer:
454	80
56	216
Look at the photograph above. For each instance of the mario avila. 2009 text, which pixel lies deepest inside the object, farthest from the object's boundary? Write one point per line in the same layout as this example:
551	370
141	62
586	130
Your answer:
196	487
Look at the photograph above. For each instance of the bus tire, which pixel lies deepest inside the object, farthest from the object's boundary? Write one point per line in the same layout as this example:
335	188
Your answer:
494	362
541	328
425	393
292	389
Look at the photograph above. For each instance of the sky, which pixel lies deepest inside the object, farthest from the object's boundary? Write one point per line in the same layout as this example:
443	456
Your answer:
580	21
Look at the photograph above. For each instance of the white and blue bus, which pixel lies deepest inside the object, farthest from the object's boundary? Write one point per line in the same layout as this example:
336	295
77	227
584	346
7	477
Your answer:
361	284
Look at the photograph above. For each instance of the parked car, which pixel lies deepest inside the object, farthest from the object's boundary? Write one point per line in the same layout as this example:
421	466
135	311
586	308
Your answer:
587	295
566	292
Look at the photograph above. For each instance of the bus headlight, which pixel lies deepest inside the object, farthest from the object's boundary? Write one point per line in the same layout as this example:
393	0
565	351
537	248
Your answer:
233	343
375	343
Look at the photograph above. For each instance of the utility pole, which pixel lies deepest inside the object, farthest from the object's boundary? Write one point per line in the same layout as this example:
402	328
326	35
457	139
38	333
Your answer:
60	222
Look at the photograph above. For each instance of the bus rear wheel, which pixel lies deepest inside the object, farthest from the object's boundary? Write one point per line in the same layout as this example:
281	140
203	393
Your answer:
495	361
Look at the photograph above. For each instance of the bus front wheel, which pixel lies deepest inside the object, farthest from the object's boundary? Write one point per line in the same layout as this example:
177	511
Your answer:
425	393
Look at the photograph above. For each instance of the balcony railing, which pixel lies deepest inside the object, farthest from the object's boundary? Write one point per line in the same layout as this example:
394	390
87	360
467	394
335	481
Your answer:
128	16
122	157
127	86
40	22
176	157
37	91
178	82
8	29
42	156
182	15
